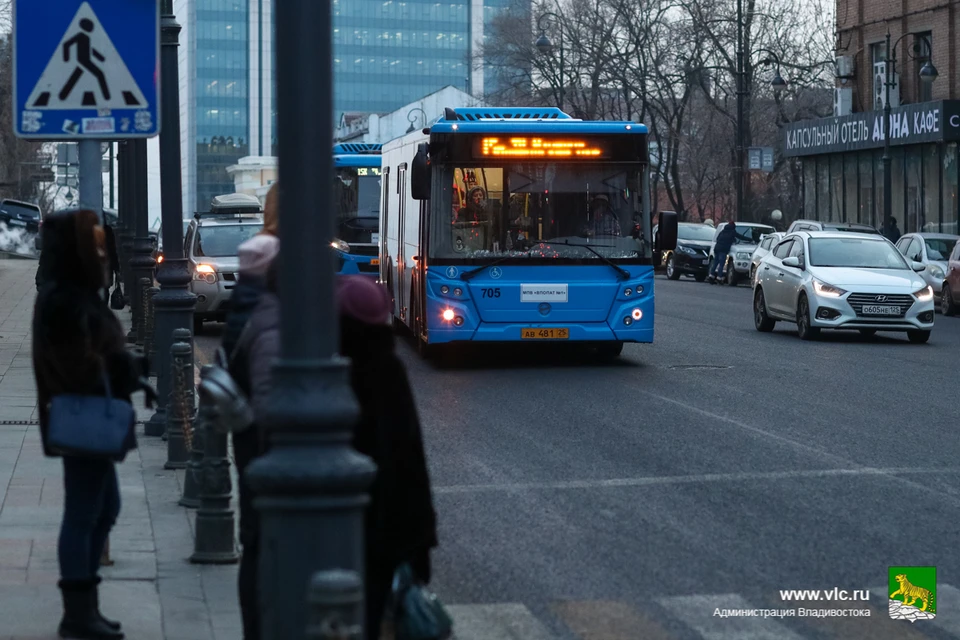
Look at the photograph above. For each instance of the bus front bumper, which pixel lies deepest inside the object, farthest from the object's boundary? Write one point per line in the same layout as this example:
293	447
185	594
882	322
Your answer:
535	333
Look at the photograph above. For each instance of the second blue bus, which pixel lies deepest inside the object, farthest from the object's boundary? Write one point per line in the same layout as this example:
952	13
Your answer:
521	225
356	191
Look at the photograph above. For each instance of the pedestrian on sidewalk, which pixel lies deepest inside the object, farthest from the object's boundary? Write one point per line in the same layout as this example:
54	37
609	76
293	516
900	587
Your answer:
721	249
400	521
77	339
255	255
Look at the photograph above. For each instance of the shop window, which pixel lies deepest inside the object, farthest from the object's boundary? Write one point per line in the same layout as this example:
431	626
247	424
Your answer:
866	203
823	188
836	188
951	203
850	188
931	187
809	188
913	204
897	188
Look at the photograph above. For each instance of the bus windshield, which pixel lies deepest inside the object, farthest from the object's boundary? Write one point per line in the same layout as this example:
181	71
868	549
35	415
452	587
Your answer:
357	194
538	210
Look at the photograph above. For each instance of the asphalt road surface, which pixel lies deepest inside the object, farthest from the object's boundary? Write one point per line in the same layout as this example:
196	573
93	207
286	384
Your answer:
710	470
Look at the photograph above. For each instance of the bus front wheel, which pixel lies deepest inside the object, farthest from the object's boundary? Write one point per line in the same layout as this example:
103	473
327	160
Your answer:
609	350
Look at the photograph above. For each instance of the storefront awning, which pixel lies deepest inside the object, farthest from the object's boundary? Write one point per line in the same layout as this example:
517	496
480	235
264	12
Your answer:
909	124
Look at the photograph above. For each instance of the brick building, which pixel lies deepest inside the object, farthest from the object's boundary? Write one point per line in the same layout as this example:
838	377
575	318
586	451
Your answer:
841	155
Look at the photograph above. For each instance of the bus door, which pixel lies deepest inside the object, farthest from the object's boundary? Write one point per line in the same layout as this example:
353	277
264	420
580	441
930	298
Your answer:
420	266
385	224
402	286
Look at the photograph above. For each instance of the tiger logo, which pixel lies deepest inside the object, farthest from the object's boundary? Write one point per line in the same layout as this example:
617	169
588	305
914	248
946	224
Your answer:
911	593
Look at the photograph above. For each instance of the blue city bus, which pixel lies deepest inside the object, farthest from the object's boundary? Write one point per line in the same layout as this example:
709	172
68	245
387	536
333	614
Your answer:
521	225
356	188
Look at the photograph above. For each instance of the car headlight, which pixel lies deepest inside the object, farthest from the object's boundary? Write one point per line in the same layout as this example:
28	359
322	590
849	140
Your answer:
206	273
743	255
827	290
340	245
686	250
924	294
935	271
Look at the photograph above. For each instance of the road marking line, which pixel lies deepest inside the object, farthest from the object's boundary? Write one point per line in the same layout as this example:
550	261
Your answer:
696	612
690	479
838	460
507	621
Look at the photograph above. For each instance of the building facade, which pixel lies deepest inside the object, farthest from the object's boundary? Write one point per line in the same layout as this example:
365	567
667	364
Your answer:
842	156
386	54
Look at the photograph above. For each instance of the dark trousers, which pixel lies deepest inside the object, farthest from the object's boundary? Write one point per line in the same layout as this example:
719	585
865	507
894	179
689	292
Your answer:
246	447
90	509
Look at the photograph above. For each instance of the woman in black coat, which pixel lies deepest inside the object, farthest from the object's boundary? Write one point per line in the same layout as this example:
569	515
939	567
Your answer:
401	525
77	341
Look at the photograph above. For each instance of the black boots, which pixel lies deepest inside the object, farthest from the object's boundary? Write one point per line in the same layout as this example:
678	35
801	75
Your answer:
81	614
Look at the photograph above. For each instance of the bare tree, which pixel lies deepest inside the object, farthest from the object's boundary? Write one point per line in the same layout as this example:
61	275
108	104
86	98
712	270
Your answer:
18	158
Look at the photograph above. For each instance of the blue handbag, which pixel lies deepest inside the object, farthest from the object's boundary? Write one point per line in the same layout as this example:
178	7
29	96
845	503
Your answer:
88	426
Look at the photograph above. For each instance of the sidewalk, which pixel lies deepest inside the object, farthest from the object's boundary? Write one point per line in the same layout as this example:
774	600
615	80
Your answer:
152	588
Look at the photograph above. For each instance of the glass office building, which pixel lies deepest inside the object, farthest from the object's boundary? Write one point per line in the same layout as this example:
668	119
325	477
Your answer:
387	53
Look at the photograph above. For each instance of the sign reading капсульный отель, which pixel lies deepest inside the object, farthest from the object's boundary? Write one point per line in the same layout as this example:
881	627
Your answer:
909	124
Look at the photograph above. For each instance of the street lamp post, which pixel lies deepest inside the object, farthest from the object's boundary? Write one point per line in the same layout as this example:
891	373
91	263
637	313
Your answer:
778	84
544	45
928	73
412	128
311	485
174	304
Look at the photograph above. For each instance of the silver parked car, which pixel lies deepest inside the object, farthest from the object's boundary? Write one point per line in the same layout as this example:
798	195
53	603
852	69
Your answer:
767	243
745	243
842	280
210	246
932	250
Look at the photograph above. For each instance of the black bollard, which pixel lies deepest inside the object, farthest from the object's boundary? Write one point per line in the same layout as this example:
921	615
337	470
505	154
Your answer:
181	405
335	606
150	345
140	320
215	539
193	480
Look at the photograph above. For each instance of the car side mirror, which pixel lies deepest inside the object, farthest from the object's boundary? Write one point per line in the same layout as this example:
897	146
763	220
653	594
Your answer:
420	177
792	261
918	266
668	224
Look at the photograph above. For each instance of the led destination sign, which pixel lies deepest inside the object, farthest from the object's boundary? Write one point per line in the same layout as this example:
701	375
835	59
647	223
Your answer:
538	147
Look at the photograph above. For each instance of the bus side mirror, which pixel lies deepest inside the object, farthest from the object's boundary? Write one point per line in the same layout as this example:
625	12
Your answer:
667	228
420	174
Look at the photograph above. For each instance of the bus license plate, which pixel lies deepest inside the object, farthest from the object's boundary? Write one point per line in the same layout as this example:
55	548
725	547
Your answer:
555	333
881	310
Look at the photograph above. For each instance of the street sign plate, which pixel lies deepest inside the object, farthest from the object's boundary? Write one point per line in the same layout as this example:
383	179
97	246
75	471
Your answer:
86	69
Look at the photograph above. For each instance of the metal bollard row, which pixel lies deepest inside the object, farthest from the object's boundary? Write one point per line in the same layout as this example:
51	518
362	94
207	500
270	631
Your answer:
181	405
150	346
215	541
193	479
140	320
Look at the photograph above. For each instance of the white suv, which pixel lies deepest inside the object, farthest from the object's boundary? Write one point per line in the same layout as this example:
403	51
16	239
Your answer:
210	246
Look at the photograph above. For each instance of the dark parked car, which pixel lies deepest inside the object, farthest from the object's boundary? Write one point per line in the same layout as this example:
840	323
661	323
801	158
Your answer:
25	215
691	256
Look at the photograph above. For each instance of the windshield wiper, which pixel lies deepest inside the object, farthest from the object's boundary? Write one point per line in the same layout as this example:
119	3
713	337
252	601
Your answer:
469	275
624	274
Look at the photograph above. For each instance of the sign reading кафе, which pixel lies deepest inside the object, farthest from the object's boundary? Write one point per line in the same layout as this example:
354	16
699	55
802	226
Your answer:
909	124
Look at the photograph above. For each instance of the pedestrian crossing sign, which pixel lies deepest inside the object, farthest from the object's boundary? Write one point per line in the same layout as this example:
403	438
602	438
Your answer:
86	69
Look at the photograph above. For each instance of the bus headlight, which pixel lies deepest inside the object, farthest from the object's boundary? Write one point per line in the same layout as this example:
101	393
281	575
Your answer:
340	245
444	289
448	315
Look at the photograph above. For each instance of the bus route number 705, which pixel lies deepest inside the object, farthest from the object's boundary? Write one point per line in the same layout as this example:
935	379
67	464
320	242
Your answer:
491	292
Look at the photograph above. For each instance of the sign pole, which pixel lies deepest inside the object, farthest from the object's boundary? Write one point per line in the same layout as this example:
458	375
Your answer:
91	177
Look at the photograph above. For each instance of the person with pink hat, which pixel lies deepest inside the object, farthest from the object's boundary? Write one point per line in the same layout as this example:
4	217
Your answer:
400	521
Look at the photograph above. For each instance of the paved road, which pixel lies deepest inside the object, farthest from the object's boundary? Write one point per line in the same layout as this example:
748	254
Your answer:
709	470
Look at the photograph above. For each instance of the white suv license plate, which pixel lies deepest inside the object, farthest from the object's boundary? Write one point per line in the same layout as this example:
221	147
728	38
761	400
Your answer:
880	310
